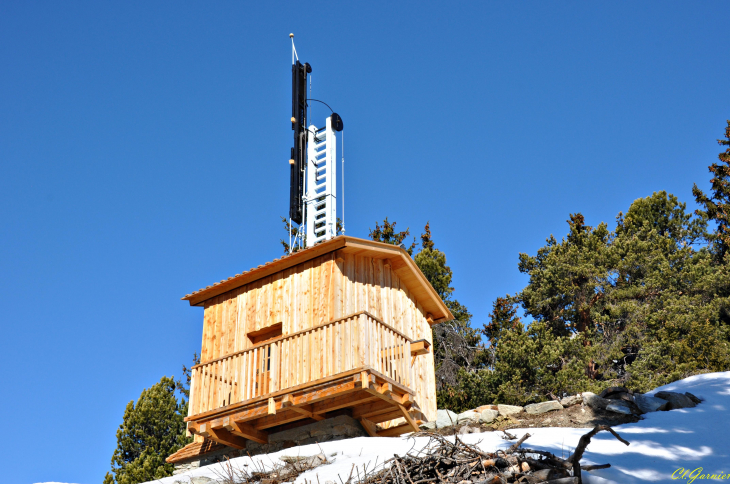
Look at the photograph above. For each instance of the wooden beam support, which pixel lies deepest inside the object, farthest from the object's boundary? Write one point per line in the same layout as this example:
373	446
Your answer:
222	436
344	401
408	418
280	418
378	406
420	347
245	430
395	431
391	414
305	410
272	406
385	392
369	427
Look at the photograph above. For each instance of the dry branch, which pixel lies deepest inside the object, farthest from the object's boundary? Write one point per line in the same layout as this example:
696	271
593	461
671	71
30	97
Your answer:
456	462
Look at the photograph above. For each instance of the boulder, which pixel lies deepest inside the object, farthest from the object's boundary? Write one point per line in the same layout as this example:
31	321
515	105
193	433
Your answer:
649	404
428	425
571	400
445	418
508	410
485	407
676	400
608	392
488	415
594	401
617	406
543	407
468	416
693	398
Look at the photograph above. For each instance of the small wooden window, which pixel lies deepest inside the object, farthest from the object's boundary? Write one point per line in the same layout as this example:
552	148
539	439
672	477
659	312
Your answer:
265	334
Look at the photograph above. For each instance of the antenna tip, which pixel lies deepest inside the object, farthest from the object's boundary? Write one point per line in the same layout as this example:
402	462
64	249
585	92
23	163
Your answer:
291	36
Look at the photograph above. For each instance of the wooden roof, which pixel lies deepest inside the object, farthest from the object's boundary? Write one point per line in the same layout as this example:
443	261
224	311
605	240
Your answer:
195	450
401	263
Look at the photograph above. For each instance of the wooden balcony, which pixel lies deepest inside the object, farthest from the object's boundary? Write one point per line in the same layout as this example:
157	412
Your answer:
357	362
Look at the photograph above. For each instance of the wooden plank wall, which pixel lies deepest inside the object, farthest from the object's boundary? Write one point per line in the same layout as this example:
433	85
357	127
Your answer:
315	292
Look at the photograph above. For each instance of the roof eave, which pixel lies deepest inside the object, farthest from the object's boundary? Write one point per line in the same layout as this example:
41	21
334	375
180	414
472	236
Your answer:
199	297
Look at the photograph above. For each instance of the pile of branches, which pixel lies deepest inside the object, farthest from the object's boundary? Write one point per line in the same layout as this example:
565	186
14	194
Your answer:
444	461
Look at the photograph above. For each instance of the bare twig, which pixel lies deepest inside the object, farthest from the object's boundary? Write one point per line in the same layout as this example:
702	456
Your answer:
517	444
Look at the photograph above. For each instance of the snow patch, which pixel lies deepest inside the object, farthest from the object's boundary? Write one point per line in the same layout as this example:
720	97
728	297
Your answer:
660	444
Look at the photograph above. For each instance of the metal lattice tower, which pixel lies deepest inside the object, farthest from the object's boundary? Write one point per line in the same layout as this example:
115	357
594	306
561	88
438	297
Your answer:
321	190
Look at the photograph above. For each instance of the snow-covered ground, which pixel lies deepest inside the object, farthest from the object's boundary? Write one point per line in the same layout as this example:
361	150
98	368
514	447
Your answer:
660	444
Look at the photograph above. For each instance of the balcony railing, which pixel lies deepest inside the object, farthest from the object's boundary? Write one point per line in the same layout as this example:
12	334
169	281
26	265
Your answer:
352	342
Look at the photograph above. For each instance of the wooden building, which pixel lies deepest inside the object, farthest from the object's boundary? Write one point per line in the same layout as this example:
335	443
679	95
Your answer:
342	325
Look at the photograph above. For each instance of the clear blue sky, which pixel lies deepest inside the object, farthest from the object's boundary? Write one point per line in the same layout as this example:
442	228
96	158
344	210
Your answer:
144	150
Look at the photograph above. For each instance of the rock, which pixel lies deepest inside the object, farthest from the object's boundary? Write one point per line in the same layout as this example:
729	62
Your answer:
488	415
200	480
468	416
342	426
508	410
468	430
594	401
676	400
543	407
571	400
619	407
305	461
611	390
428	425
693	398
485	407
445	418
649	404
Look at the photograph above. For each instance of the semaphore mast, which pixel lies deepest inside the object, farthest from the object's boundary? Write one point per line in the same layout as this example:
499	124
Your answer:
313	166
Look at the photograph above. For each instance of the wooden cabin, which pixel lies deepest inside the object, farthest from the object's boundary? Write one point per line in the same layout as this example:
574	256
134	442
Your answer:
342	325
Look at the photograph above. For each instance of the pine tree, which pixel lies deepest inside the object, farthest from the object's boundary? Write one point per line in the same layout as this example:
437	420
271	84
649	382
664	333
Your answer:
456	344
387	234
717	205
564	288
150	431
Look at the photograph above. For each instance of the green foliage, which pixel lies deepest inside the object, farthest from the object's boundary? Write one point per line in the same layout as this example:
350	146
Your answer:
455	343
292	231
641	306
529	365
386	233
566	277
150	431
717	204
502	318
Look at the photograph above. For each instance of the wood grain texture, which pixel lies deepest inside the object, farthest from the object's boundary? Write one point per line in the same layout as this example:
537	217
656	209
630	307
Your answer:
305	299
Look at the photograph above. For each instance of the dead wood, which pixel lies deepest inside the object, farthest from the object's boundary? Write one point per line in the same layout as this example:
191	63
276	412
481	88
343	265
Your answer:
583	443
444	460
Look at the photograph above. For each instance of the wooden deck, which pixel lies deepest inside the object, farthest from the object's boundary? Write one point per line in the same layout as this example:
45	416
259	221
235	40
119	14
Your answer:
372	398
